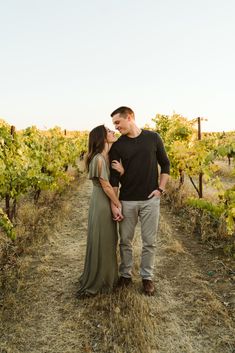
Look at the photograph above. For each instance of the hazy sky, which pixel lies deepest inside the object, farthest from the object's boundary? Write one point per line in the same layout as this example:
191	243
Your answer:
71	63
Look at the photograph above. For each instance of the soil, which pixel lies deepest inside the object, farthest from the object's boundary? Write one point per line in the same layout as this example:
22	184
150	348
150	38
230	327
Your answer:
192	311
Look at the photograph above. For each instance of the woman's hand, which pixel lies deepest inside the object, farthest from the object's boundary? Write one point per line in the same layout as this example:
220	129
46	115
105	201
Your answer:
118	167
117	213
118	205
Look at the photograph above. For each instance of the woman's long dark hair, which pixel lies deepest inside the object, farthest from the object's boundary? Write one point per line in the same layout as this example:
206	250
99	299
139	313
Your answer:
96	142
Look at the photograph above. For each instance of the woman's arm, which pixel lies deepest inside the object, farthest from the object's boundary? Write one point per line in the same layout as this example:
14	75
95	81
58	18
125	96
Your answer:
106	186
110	192
118	167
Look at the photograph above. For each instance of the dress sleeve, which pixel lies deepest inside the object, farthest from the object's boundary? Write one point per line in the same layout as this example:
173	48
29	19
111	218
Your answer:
98	168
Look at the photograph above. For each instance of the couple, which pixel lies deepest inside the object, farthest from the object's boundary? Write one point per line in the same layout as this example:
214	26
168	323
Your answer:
131	161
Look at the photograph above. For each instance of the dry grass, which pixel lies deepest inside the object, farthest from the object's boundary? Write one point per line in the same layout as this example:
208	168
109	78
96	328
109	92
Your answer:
41	313
225	170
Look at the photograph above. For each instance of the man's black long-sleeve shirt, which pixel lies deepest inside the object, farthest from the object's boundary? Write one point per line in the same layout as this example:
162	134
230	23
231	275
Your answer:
140	157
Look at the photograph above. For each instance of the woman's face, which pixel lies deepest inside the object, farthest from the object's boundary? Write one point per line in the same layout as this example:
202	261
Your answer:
110	138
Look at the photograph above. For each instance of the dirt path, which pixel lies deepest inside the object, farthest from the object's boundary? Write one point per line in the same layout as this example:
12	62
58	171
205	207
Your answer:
193	310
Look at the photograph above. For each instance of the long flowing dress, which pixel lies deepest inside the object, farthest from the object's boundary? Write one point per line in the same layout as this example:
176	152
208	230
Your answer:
100	270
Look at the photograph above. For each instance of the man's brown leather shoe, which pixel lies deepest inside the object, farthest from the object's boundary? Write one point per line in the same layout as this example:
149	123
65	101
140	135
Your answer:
124	281
148	287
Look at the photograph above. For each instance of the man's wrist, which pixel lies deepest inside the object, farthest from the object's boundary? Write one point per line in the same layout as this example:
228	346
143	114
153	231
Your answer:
162	191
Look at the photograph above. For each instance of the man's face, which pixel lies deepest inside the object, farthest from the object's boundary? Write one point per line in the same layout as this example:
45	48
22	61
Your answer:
121	124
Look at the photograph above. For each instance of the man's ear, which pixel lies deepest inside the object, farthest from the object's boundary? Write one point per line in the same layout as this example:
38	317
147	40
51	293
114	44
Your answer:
130	117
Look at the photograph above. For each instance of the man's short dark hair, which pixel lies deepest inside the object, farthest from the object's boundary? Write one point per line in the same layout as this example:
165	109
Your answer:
122	111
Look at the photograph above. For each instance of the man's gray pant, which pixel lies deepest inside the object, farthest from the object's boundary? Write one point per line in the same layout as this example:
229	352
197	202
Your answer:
148	213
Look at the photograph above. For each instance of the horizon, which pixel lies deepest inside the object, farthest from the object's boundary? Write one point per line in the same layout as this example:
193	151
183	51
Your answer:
149	124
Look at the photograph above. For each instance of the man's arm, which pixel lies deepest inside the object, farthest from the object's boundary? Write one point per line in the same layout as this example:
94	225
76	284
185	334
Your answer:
164	163
163	181
162	157
114	174
162	185
114	181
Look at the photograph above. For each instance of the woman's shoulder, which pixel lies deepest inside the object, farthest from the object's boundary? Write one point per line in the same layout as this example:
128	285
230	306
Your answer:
98	167
97	157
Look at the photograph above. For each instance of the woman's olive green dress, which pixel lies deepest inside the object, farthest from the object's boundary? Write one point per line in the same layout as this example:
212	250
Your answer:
100	270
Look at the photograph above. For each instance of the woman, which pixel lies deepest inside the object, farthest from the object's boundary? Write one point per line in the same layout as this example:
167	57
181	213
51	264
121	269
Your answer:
100	270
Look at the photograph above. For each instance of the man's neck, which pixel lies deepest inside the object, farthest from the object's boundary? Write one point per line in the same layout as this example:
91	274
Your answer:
135	131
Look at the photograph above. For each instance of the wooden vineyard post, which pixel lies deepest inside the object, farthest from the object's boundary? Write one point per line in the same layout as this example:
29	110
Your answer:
200	174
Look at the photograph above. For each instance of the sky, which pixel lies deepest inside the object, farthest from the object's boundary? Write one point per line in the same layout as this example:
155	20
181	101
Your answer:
70	63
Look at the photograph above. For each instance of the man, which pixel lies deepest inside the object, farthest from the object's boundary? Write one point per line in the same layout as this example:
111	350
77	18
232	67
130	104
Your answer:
140	152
